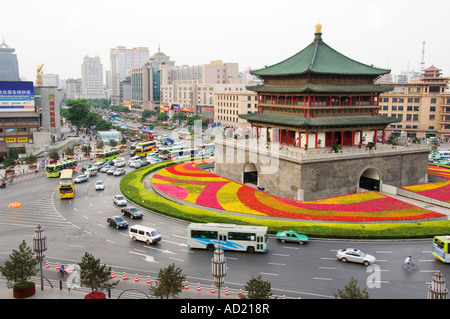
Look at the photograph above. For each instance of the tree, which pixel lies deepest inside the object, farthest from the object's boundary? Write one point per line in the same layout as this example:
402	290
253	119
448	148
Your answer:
102	125
162	117
258	288
147	113
20	268
9	162
179	116
53	154
170	282
78	111
352	291
31	159
93	275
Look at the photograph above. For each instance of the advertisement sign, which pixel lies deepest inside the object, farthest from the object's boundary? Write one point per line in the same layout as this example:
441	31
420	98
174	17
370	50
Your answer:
16	96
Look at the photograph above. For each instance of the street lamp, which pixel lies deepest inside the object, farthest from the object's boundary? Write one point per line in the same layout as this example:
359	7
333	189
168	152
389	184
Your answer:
39	247
219	267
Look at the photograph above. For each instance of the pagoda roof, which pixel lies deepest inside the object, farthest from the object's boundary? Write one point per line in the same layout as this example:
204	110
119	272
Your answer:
300	121
318	57
319	88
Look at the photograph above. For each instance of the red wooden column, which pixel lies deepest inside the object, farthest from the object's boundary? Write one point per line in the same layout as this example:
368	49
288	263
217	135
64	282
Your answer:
384	134
317	135
299	139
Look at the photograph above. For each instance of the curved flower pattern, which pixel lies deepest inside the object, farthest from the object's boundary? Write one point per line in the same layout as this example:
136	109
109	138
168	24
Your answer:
440	190
187	182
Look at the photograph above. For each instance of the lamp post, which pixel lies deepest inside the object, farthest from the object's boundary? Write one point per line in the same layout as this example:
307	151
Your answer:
219	267
39	247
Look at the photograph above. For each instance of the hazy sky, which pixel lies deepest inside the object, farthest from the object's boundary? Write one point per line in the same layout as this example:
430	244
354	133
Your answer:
253	33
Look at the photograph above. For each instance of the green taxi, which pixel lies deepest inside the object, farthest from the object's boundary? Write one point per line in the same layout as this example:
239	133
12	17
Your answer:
291	236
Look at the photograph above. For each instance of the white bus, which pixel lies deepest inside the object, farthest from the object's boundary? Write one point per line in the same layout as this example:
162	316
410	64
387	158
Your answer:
230	237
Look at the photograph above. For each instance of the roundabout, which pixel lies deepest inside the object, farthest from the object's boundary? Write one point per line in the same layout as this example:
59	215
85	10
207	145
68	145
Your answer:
183	190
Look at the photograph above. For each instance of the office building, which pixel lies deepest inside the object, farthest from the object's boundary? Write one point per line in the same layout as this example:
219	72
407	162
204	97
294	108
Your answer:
9	66
146	83
92	78
123	59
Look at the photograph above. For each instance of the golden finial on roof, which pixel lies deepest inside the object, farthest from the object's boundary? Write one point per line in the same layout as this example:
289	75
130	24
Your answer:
318	28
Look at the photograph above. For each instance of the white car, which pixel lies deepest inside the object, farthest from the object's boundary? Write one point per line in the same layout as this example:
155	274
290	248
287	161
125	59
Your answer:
119	171
119	200
99	185
355	255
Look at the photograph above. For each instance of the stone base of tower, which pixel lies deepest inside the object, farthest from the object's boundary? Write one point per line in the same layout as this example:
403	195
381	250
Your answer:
308	175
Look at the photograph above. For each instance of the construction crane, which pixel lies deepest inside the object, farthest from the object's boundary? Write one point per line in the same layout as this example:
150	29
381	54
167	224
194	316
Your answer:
39	75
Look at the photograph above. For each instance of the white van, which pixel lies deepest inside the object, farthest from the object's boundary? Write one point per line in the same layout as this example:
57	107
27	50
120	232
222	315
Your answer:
133	159
119	162
91	171
143	233
98	165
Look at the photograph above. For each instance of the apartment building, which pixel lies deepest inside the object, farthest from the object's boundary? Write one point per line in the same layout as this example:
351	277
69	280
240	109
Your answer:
191	89
422	104
232	100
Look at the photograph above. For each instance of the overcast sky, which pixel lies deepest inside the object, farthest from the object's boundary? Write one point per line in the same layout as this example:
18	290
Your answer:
253	33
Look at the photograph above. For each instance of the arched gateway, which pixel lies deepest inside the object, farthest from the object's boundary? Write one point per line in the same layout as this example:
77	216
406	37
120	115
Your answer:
370	180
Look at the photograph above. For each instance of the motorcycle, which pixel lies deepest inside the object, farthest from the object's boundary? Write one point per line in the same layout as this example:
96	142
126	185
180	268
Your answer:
3	184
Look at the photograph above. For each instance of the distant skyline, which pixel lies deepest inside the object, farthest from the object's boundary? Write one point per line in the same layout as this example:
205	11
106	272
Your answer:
387	34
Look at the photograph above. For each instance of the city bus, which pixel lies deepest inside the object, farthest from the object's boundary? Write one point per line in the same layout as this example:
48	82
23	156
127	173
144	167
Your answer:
66	188
441	245
144	148
54	170
102	156
229	236
166	153
184	153
207	149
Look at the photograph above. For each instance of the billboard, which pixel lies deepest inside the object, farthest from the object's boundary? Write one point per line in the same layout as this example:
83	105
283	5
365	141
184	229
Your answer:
16	96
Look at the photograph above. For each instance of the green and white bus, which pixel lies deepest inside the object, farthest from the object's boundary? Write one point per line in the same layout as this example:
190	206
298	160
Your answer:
440	248
106	156
54	170
229	236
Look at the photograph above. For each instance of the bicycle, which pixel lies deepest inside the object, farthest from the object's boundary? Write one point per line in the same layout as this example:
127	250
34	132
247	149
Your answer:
409	266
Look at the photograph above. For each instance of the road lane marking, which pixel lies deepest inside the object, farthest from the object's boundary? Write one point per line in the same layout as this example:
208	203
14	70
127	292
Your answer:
268	274
281	255
277	264
321	278
327	268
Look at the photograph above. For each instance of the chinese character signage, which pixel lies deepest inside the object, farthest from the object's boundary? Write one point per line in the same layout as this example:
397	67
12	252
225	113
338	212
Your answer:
16	96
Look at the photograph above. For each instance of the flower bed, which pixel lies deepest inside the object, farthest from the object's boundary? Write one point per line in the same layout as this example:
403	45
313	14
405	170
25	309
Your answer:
187	182
439	191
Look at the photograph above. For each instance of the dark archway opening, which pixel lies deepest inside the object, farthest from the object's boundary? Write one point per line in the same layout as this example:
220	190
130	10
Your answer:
370	180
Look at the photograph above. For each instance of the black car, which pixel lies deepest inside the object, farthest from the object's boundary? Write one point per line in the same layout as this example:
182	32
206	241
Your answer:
131	212
117	221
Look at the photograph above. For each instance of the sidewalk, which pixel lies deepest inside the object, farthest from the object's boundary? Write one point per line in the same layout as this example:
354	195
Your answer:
129	288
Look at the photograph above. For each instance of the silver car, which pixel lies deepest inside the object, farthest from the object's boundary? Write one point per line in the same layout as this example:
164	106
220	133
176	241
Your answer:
355	255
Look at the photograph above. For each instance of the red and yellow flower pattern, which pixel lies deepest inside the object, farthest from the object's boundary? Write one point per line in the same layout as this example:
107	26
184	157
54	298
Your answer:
187	182
439	190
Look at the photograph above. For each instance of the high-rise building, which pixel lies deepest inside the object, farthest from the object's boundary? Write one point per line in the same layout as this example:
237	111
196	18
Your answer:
146	83
123	59
9	66
92	78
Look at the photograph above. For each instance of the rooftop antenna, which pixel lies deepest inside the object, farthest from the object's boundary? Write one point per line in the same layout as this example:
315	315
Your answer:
422	64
